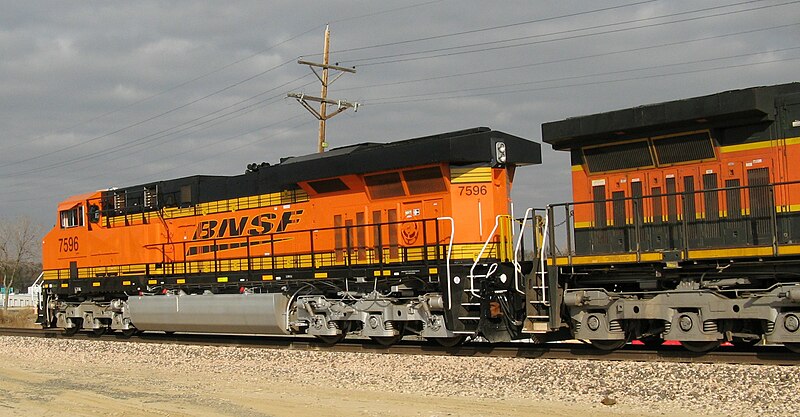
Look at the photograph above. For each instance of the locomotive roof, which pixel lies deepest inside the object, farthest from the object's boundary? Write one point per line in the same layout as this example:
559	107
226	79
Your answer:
729	108
462	147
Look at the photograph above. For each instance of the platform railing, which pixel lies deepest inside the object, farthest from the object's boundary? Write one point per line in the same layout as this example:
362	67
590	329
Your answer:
676	224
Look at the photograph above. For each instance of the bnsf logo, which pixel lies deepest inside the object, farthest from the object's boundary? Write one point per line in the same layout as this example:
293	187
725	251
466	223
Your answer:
259	224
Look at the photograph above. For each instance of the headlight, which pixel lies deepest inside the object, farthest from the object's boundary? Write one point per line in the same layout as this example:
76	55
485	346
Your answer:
500	148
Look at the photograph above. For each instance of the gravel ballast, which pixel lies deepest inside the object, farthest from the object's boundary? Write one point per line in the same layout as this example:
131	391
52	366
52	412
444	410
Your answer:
652	388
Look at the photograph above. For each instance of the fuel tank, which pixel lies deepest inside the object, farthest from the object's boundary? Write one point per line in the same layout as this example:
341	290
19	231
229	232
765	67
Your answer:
211	313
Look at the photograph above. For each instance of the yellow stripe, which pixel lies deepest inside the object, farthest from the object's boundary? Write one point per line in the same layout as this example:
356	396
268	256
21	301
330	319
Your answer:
577	168
266	277
730	252
64	285
152	281
745	147
603	259
433	271
126	283
320	275
181	281
222	279
465	175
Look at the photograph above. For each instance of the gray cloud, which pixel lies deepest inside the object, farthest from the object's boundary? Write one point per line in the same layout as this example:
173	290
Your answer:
74	72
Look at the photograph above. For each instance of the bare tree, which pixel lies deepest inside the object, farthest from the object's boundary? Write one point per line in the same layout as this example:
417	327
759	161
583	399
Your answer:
19	243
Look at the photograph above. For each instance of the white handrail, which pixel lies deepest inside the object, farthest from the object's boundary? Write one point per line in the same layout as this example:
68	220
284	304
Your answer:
480	254
541	257
449	251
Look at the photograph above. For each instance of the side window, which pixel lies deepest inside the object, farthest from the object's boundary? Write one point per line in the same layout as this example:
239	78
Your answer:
72	217
94	213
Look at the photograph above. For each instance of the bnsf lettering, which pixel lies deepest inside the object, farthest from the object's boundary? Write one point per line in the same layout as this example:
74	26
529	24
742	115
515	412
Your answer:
260	224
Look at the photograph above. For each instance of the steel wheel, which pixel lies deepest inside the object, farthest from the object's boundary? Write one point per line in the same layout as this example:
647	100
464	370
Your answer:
387	340
99	331
127	334
449	341
607	345
332	340
390	340
700	347
793	346
76	326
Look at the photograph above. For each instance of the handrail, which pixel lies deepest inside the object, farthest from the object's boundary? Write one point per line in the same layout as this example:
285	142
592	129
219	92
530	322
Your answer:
447	258
542	256
517	269
677	193
480	255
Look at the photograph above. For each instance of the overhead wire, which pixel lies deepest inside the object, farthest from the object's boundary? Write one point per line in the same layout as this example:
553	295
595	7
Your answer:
148	119
174	87
366	61
592	83
570	59
486	29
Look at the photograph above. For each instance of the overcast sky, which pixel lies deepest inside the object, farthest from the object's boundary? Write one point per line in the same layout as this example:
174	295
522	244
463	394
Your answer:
98	94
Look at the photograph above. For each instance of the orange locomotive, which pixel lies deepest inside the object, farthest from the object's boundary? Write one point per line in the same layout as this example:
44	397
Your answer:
686	224
310	245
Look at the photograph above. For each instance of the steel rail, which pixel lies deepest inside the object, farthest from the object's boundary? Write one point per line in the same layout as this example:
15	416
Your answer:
759	355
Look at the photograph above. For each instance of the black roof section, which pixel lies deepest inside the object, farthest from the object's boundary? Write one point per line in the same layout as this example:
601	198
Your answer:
729	108
462	147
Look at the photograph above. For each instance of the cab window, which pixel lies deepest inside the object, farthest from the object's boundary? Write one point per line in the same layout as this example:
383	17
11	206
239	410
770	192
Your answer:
72	217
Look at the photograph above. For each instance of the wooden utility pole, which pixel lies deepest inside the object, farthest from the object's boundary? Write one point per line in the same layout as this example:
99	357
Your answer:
322	114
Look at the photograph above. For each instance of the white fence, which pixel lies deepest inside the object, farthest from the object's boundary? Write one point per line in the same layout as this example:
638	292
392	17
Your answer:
20	300
30	299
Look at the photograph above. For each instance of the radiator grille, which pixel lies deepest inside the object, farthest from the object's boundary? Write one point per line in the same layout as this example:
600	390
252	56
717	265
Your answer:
621	156
684	148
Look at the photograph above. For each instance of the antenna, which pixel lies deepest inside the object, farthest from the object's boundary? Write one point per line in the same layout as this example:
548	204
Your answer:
322	114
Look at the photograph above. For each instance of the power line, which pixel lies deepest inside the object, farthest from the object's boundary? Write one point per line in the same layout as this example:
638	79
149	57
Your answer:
593	83
366	63
411	6
149	119
468	32
174	87
202	76
155	136
562	60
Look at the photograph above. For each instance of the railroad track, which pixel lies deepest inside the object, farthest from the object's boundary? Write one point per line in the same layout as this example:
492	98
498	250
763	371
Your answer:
760	355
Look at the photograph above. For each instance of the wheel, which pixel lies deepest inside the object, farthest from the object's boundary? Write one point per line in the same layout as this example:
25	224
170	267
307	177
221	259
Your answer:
77	324
387	340
607	345
344	328
99	331
127	334
449	341
793	346
652	341
390	340
700	347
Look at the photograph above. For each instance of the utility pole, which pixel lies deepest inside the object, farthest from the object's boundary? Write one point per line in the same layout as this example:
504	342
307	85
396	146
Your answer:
322	114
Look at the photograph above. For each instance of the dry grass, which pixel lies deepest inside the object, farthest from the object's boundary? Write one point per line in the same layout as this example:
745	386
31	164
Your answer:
18	317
